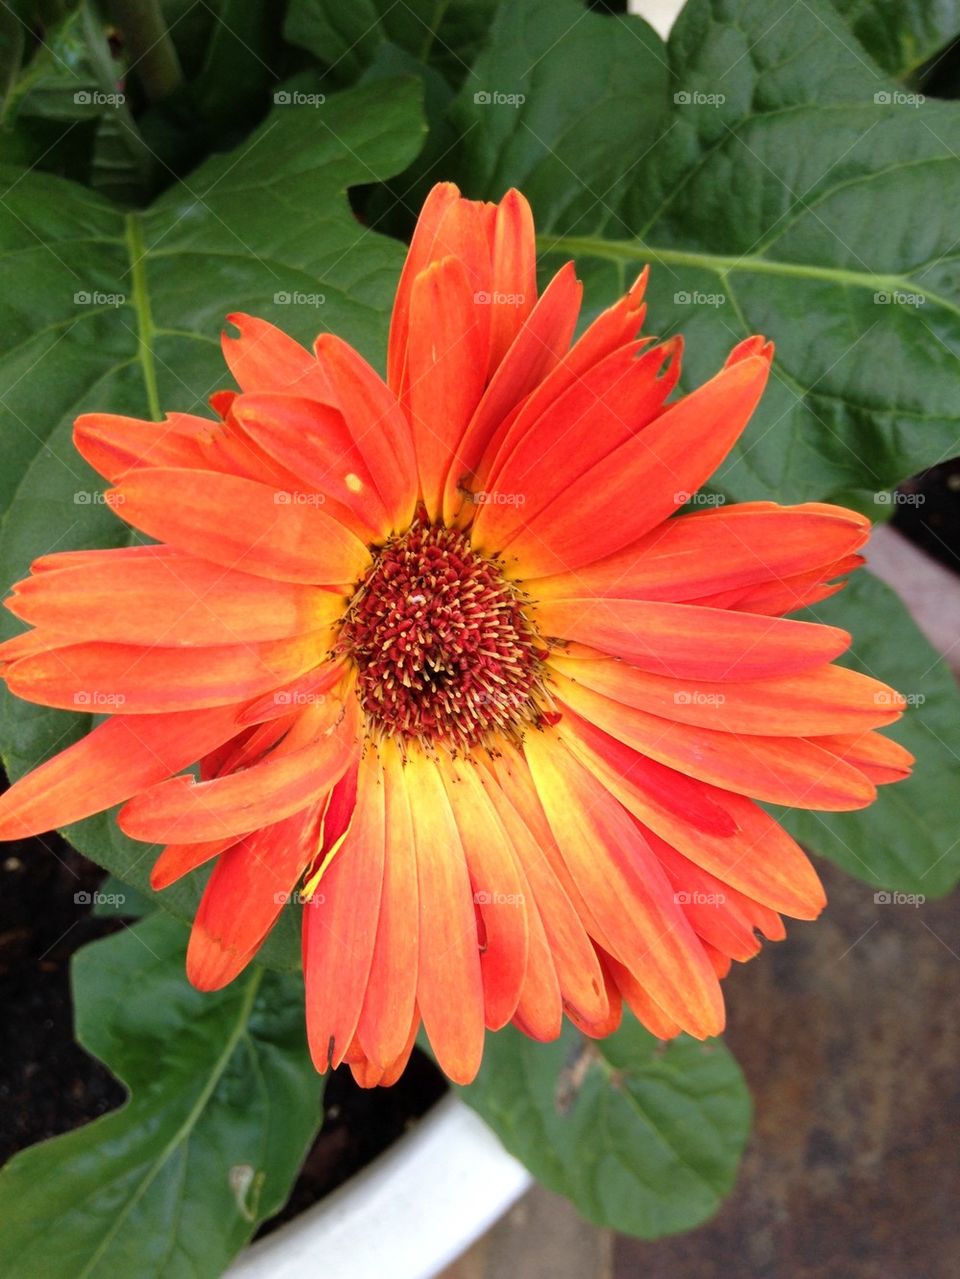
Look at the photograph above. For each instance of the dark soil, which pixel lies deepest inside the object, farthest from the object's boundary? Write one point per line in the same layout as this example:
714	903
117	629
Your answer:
48	1084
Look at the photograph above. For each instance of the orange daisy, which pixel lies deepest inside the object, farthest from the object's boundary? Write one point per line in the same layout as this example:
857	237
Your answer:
454	671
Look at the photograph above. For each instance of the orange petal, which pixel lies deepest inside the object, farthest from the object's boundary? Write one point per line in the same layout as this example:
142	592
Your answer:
781	770
613	328
169	600
577	968
498	891
540	343
684	641
389	1003
312	440
264	358
881	758
625	888
666	462
296	773
646	1010
449	983
120	757
340	924
246	892
133	680
446	363
758	857
377	424
609	405
692	556
821	700
115	445
442	198
514	278
242	525
178	860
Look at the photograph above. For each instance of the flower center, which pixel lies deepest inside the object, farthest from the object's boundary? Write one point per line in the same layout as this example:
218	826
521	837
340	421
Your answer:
443	651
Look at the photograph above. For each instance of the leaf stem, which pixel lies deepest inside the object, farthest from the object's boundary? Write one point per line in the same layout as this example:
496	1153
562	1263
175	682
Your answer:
151	51
146	329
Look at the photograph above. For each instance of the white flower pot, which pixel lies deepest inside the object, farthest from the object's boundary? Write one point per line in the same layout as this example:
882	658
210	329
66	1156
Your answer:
661	14
407	1215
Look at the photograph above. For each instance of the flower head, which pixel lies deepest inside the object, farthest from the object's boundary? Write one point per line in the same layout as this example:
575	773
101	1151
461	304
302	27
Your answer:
457	675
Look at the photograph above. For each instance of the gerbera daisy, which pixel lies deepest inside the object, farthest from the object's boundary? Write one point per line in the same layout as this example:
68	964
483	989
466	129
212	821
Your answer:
455	672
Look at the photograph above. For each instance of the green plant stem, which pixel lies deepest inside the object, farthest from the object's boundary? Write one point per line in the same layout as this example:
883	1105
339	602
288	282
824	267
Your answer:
151	51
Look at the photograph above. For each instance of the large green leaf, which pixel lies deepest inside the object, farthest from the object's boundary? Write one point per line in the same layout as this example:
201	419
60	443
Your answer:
347	38
906	840
101	310
224	1103
642	1136
778	184
902	34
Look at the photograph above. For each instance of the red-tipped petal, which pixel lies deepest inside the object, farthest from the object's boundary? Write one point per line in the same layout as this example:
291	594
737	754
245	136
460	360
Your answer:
340	924
243	897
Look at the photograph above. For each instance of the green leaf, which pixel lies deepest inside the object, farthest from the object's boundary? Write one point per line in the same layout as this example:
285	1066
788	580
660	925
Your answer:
224	1103
778	184
902	34
346	38
266	229
643	1136
906	840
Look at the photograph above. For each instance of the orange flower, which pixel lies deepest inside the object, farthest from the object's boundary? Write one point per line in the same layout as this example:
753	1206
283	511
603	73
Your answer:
449	665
